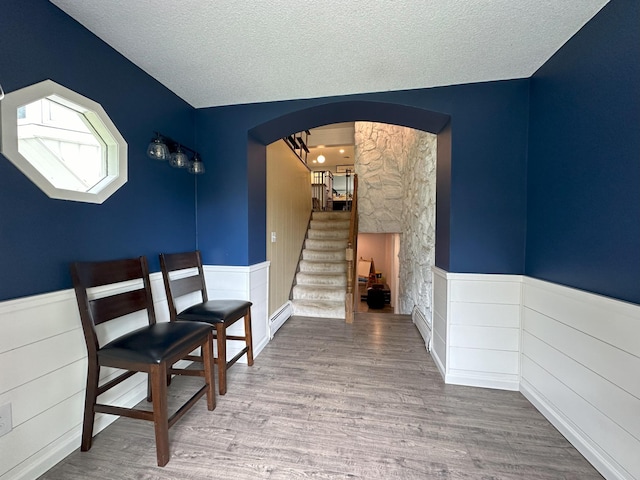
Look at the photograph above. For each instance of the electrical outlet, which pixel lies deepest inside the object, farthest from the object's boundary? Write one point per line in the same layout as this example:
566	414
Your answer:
5	419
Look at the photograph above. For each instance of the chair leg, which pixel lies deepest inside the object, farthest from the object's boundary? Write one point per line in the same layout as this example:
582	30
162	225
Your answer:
160	412
221	335
209	377
149	392
90	398
247	337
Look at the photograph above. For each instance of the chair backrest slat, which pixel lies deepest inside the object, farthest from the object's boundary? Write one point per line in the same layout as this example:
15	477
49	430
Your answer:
116	306
180	261
182	286
94	311
95	274
175	288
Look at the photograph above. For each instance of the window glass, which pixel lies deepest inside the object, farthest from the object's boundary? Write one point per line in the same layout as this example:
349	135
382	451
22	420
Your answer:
65	143
60	143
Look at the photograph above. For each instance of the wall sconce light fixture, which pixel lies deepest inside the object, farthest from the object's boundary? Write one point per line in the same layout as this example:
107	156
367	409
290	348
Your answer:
164	148
196	166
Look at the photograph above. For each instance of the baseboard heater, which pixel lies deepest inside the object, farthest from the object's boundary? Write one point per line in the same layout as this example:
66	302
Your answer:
423	325
279	317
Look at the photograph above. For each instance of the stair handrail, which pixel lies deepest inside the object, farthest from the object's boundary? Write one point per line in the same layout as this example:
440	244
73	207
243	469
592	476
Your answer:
352	248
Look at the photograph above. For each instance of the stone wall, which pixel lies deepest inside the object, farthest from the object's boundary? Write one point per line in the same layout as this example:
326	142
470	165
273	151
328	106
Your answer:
418	239
380	153
396	169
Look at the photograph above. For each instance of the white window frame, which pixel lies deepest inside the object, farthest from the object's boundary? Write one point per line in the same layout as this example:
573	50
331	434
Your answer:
116	146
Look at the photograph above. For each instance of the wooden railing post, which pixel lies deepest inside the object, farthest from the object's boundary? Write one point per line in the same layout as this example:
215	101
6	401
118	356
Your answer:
352	248
349	300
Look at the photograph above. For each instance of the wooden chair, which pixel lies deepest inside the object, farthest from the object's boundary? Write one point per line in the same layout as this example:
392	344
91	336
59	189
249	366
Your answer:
152	349
183	274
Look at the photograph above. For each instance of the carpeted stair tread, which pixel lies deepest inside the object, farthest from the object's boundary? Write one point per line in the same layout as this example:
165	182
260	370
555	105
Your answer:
318	308
330	225
320	285
335	215
325	244
308	266
328	234
324	255
319	292
303	278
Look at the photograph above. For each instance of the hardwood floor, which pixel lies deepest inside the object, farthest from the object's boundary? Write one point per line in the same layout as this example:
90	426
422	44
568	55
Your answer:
364	308
329	400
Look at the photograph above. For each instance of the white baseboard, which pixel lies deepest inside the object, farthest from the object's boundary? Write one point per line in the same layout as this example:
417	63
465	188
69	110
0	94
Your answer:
35	467
257	348
573	354
439	363
600	460
483	380
38	464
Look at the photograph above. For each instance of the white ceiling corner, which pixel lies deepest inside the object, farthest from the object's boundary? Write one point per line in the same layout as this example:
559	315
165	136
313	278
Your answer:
227	52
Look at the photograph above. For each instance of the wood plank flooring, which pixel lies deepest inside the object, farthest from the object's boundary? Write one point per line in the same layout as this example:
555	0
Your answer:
329	400
364	308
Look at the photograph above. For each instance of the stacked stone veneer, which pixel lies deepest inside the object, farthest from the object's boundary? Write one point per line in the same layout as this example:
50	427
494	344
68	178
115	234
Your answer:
396	169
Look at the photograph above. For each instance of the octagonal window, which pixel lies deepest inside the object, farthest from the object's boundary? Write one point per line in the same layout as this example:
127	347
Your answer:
64	142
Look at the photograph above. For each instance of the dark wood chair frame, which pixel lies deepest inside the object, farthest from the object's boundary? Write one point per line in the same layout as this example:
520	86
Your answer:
100	310
177	287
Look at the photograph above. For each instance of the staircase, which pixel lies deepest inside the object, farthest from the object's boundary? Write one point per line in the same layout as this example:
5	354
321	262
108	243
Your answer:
322	280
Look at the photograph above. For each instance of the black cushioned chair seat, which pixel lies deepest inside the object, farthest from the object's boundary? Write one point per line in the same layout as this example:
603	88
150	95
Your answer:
219	313
216	311
154	343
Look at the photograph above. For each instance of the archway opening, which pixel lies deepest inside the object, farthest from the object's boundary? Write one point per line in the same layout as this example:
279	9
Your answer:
347	111
413	118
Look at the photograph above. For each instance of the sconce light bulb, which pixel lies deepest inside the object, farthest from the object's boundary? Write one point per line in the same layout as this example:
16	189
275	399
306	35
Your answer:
196	167
179	159
158	150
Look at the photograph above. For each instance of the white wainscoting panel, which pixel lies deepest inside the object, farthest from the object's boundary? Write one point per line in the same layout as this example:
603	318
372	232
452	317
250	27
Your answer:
573	354
440	316
477	324
43	375
581	368
259	295
243	283
43	366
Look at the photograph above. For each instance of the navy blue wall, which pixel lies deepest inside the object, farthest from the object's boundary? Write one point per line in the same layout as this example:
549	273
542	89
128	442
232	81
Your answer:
487	203
153	212
578	197
584	159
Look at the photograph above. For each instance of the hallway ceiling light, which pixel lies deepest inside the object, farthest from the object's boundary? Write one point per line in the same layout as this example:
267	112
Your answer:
321	159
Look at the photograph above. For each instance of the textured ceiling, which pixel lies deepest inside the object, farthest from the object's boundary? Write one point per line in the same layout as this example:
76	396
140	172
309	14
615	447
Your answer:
226	52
